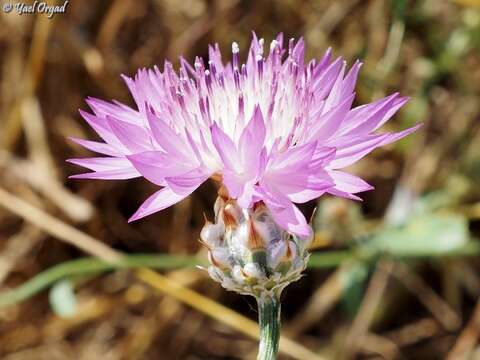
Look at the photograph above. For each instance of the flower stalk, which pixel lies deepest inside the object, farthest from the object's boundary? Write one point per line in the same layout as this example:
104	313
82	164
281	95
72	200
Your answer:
269	308
252	255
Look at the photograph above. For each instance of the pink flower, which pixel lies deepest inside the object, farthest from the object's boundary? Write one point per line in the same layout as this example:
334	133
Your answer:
274	129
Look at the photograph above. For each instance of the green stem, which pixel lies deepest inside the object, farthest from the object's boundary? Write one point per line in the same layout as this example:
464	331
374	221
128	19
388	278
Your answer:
87	266
269	321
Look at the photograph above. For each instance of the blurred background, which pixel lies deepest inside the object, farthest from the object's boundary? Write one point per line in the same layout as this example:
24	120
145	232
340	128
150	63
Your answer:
395	276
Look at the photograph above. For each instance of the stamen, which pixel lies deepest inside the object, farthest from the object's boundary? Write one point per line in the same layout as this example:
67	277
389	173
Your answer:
236	56
259	60
273	45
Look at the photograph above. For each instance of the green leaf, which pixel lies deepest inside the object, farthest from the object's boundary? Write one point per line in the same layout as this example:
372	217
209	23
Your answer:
62	299
424	235
354	286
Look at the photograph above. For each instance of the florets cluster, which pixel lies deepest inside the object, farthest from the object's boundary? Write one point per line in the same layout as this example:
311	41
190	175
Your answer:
275	130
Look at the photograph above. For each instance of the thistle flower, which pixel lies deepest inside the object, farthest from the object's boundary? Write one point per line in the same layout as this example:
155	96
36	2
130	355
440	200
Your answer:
275	129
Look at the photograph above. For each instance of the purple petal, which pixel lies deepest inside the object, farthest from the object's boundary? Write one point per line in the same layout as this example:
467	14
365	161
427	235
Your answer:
215	57
352	148
165	136
393	109
187	68
286	214
305	195
299	187
392	137
322	156
245	199
117	174
251	141
134	137
182	184
102	163
344	194
279	39
324	83
225	147
347	184
323	63
99	147
253	51
367	118
298	52
103	108
239	187
335	95
327	124
132	87
101	127
158	201
155	166
293	159
194	147
348	84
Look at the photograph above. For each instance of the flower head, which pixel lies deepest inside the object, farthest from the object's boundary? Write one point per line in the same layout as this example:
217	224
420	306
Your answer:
274	130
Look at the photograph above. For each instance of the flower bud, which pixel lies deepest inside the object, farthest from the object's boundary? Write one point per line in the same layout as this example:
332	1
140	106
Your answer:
248	252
